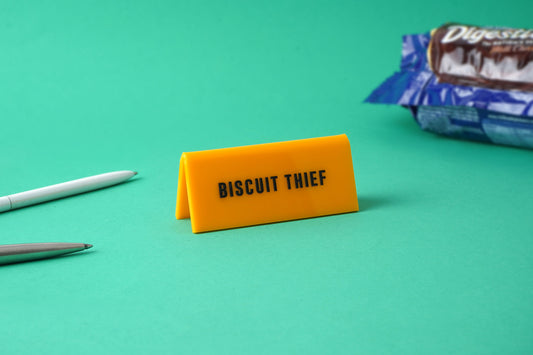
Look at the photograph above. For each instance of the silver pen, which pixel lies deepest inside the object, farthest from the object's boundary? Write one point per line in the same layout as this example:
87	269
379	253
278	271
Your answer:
17	253
74	187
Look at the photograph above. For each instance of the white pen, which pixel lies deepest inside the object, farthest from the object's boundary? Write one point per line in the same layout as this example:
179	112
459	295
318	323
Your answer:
74	187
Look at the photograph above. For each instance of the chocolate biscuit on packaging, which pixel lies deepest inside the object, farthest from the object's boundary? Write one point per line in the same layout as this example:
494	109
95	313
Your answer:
492	57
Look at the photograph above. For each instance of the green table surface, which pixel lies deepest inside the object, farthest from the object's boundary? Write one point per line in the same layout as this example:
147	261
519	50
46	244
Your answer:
438	260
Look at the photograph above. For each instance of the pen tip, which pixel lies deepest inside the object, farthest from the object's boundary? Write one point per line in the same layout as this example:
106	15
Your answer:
135	173
87	246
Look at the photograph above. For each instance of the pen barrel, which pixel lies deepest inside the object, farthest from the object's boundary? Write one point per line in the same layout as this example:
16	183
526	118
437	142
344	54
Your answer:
25	252
64	189
5	204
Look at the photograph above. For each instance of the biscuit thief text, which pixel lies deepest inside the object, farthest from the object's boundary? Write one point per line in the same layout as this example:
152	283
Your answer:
259	185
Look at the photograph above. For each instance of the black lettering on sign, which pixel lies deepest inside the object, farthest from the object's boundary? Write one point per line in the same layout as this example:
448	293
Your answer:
259	185
222	190
230	185
298	180
322	176
267	185
274	182
238	188
288	177
247	183
313	178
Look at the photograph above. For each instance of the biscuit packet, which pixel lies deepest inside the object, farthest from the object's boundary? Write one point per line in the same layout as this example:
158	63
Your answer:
467	82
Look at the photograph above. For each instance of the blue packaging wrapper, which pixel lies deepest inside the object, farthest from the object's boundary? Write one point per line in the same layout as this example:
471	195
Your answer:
465	112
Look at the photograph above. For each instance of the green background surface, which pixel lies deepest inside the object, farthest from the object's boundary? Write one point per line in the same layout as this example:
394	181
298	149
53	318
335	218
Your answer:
438	260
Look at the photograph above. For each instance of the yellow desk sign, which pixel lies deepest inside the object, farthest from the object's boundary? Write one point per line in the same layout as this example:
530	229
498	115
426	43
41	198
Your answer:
265	183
